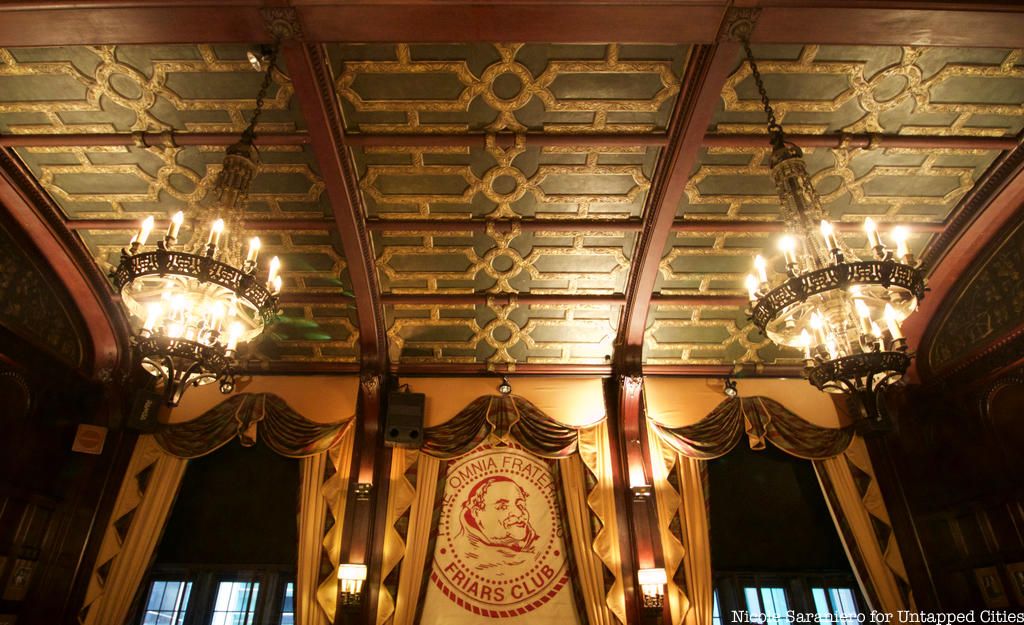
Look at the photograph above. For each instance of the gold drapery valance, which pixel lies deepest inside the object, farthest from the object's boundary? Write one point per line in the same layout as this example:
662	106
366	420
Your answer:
247	415
504	417
568	400
761	419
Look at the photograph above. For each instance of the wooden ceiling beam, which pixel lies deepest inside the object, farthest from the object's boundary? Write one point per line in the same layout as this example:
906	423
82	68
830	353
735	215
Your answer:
101	22
457	226
863	22
706	73
866	22
455	369
454	226
499	299
253	225
506	140
313	82
291	298
735	225
443	369
147	139
822	22
578	226
57	22
568	21
314	89
868	141
537	299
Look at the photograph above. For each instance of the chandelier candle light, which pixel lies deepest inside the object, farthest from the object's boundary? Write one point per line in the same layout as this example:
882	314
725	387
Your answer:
196	307
842	313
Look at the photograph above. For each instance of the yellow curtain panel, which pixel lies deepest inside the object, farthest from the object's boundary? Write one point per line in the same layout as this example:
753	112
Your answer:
325	478
840	460
584	459
143	504
691	595
154	474
864	527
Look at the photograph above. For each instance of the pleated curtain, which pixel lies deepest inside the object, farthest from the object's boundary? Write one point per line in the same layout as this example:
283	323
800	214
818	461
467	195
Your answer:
141	509
154	475
577	450
858	510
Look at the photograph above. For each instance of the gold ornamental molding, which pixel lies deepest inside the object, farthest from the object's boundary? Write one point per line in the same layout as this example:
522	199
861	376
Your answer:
114	182
908	90
607	114
498	334
858	169
504	183
135	88
727	336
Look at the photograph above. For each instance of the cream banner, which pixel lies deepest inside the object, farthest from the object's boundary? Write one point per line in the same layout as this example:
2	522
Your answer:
500	550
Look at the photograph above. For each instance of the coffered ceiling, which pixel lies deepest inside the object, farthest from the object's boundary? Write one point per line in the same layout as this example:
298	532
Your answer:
103	191
505	189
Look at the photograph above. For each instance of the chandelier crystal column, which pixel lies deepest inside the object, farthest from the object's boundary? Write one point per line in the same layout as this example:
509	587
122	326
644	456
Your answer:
843	313
194	307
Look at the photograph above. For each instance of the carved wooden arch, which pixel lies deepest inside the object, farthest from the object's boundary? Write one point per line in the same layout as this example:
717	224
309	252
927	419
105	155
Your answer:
1001	422
15	393
71	265
981	225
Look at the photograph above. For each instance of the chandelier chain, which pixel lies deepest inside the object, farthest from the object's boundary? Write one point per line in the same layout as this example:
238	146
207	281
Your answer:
774	128
261	96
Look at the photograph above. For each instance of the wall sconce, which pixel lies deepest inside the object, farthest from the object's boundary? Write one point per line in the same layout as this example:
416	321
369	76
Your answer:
362	491
641	492
351	578
652	584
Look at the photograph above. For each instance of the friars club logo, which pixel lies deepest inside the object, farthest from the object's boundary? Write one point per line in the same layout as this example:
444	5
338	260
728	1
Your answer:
499	550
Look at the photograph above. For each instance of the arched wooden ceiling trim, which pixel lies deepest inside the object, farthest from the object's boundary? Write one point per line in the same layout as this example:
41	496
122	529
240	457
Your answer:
992	237
701	91
977	223
39	220
312	81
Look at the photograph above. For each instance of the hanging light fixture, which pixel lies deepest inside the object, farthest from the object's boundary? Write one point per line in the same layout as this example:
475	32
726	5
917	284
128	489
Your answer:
195	307
843	313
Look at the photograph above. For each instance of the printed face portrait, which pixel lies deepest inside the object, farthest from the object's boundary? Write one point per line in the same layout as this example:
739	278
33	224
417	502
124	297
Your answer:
496	511
504	513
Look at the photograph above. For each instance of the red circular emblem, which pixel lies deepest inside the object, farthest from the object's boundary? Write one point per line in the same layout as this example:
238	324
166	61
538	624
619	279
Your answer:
499	545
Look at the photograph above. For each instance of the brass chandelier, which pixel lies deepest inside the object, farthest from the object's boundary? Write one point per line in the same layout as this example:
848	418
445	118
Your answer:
194	307
842	312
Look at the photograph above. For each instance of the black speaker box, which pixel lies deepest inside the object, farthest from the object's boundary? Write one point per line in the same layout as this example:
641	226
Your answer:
145	408
403	421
